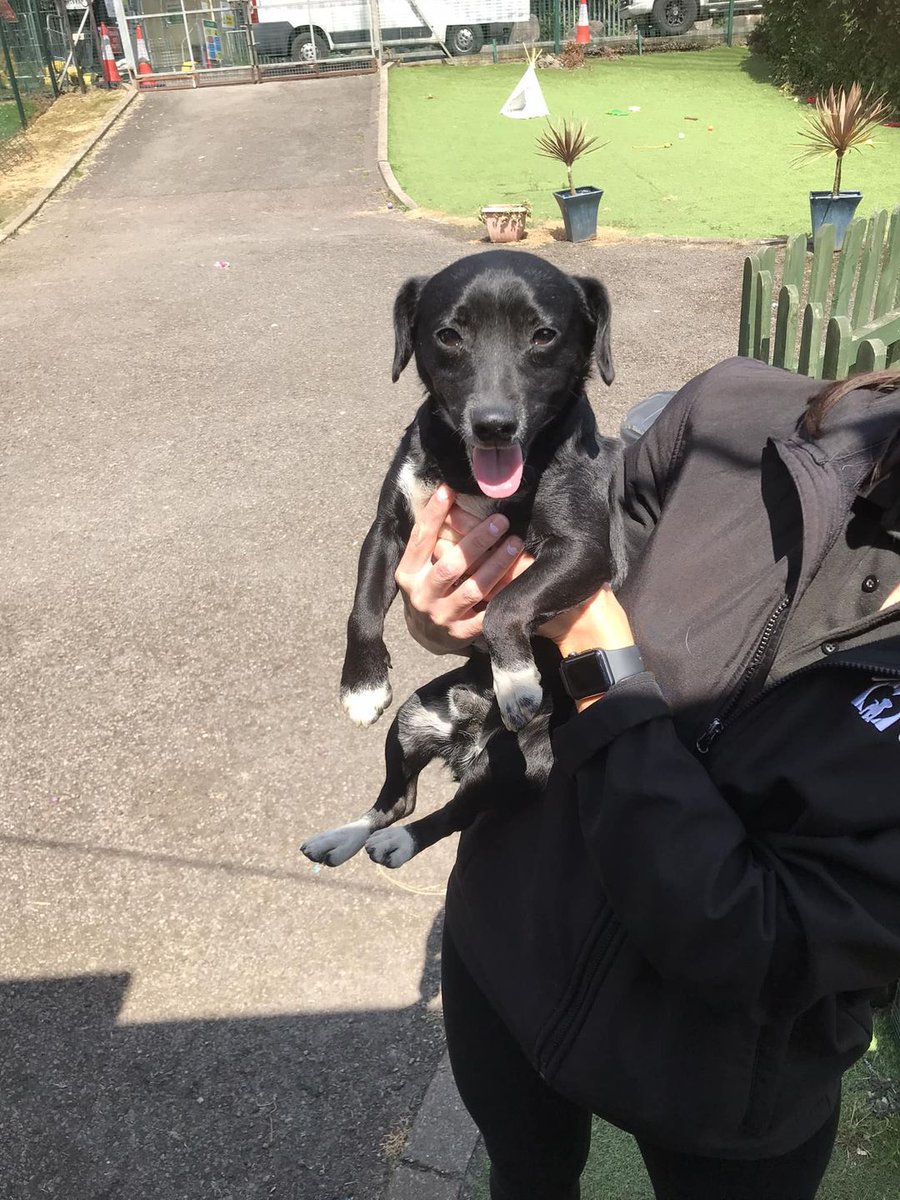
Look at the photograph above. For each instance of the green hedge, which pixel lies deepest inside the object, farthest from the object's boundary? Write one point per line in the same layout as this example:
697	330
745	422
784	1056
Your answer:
812	44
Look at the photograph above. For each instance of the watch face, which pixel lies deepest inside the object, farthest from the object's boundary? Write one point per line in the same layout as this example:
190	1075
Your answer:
586	676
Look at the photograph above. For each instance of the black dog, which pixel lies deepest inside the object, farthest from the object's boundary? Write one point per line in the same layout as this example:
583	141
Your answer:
503	344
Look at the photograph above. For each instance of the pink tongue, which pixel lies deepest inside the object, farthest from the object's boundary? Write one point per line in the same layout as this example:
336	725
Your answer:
498	472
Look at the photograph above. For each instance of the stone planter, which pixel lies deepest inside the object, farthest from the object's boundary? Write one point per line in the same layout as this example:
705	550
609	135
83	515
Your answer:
505	222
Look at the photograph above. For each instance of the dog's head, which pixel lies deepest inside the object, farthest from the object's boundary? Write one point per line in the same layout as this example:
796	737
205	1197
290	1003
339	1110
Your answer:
503	343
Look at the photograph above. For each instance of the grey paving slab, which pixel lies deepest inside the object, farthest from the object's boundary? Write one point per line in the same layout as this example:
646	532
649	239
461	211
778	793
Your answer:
412	1184
191	457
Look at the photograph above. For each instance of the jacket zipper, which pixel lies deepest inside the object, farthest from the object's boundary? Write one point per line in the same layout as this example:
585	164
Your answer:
717	727
712	731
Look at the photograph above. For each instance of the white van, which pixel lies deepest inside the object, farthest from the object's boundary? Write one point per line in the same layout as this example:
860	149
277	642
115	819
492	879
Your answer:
312	29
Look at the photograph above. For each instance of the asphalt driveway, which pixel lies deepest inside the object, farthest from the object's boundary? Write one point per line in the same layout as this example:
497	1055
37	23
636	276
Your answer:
197	412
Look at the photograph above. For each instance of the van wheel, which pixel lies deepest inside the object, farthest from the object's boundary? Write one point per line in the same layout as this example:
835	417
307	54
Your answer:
465	39
673	17
306	49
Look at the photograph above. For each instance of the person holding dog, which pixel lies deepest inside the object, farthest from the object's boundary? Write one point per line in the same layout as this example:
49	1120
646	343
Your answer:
687	933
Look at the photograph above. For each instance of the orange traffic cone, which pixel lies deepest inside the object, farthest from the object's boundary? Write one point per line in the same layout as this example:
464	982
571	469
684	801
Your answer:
144	67
110	70
582	28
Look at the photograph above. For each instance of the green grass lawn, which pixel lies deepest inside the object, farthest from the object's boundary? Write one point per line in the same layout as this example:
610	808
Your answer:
866	1160
453	152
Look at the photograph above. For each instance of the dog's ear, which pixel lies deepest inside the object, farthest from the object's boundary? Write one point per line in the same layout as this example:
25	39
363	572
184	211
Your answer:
406	306
597	298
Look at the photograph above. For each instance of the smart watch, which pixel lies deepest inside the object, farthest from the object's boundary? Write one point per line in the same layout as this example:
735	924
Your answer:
594	672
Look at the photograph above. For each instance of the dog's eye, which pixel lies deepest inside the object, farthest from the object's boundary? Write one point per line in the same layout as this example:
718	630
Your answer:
543	337
449	338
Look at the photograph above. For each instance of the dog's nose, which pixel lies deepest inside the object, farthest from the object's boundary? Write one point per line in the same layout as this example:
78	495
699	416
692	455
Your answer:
495	425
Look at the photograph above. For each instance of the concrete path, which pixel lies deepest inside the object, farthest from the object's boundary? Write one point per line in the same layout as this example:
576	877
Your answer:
191	457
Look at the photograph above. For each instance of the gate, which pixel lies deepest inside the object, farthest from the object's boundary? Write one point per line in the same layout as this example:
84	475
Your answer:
179	43
192	43
298	39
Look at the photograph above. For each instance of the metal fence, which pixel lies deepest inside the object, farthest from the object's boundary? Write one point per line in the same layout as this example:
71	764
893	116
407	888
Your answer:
556	20
196	43
27	78
191	46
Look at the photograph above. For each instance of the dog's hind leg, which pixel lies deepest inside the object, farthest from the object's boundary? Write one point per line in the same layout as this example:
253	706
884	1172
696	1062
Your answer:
423	729
509	767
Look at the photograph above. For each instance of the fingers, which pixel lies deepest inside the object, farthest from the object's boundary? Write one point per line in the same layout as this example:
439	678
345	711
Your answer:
463	559
460	521
451	566
488	576
424	536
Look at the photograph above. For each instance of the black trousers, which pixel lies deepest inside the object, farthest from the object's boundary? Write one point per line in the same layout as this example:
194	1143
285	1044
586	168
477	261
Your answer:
538	1142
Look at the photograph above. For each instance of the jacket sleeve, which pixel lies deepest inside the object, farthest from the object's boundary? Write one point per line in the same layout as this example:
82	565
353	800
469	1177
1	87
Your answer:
765	924
646	468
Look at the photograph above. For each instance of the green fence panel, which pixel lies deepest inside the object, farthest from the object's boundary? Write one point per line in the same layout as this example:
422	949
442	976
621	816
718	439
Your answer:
846	273
786	322
822	264
838	349
747	327
871	356
763	347
868	271
809	361
887	297
794	262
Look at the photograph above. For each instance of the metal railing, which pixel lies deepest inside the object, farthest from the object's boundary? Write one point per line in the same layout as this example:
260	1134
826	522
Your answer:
27	78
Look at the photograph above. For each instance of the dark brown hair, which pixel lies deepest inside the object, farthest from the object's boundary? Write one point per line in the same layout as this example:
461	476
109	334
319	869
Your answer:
824	401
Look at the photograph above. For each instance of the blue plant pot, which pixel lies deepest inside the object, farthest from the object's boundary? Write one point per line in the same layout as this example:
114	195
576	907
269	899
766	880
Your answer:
839	210
579	212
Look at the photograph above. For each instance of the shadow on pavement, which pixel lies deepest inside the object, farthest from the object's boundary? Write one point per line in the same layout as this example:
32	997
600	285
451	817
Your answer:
220	1109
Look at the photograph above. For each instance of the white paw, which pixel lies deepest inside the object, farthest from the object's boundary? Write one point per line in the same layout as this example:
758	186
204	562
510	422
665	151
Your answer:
337	845
519	695
391	847
366	705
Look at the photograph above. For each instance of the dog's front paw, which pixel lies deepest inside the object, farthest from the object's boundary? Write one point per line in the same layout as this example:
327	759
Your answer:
519	695
391	847
365	705
337	845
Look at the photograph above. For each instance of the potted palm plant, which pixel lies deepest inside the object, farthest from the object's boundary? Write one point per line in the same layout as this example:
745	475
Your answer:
578	205
840	122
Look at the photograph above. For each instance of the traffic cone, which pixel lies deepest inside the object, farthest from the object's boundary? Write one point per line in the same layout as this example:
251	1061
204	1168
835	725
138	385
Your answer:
110	70
582	29
144	67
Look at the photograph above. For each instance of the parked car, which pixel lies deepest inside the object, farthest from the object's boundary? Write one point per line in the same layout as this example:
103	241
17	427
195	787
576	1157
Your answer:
673	17
313	29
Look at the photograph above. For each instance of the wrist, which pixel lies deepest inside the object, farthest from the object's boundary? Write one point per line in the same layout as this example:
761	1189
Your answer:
589	674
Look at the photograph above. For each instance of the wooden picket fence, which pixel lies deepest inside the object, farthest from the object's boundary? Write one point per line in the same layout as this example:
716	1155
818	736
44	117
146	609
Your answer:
861	331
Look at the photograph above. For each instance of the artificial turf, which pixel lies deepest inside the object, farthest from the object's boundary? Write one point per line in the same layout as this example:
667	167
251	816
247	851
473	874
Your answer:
453	152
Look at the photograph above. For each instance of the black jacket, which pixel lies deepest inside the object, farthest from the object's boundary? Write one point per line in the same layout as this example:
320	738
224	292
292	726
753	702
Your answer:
687	942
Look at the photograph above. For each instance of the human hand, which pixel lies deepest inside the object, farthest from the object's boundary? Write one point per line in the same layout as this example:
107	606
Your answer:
452	565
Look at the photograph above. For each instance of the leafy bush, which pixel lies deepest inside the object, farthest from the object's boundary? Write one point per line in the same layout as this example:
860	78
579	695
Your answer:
817	44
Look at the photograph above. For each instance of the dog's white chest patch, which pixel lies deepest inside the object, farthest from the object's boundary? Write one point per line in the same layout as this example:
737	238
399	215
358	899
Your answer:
418	493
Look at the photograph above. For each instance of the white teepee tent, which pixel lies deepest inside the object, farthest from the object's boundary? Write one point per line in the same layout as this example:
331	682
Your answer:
527	99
